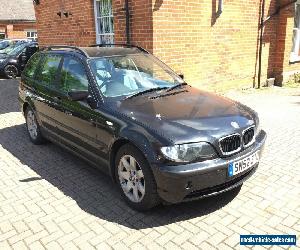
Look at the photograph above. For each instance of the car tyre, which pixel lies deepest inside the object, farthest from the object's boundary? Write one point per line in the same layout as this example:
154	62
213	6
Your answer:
135	179
33	128
11	71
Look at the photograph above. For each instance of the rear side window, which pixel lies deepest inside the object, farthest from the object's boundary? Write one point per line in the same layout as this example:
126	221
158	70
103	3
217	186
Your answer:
73	75
48	71
31	66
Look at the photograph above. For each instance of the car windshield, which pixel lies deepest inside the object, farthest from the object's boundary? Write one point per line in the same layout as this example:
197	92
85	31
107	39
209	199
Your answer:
14	49
130	74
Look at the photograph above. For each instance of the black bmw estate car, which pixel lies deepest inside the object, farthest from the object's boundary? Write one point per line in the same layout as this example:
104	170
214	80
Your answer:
127	113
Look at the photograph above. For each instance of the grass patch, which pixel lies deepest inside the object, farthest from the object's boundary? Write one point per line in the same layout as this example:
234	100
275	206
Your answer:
293	82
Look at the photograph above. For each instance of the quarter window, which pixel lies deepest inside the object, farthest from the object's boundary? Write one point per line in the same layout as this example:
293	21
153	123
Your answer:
31	65
49	68
295	55
73	75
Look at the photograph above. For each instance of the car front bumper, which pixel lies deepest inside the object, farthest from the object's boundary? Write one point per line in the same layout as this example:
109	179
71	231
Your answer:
202	179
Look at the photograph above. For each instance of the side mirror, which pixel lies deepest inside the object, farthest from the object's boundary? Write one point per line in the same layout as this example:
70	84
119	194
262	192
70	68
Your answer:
78	95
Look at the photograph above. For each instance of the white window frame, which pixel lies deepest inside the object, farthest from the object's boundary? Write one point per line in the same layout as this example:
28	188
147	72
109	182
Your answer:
3	33
295	55
97	18
34	37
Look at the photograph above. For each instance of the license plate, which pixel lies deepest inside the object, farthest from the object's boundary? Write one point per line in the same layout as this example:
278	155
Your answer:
237	167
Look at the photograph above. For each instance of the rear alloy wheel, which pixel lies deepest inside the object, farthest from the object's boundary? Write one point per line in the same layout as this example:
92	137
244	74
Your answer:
33	127
135	179
11	71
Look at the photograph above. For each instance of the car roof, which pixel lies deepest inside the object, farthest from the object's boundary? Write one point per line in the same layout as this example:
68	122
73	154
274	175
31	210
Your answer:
95	51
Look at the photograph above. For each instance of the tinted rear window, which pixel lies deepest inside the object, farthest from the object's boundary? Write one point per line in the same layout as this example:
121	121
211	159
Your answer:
48	71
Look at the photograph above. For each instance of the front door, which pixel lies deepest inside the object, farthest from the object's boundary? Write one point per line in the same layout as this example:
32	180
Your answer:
77	120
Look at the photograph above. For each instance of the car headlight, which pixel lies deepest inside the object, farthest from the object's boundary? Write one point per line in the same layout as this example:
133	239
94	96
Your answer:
257	126
189	152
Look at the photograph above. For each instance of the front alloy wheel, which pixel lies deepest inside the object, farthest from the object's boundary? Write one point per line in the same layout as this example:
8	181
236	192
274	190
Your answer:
135	178
131	178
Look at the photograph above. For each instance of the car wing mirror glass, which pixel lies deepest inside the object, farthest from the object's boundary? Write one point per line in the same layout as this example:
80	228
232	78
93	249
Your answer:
78	95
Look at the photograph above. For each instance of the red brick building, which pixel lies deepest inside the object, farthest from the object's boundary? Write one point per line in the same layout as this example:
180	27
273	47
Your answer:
17	19
212	42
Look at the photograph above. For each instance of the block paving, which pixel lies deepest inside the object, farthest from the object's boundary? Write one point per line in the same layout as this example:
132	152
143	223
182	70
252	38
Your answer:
50	199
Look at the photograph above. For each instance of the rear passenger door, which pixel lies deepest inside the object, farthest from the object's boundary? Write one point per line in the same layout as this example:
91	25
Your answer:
45	91
76	118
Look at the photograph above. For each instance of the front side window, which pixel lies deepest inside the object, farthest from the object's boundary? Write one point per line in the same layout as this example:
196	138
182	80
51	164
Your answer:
130	74
295	54
48	71
31	66
104	21
73	76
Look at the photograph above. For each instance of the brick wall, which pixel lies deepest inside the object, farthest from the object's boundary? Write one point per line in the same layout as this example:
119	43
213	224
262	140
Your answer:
282	66
16	29
187	35
141	24
210	49
77	29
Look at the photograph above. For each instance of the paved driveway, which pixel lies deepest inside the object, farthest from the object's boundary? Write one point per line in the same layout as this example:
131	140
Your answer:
51	199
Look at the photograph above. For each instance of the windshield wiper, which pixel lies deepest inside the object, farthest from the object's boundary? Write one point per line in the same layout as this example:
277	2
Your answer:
176	86
145	92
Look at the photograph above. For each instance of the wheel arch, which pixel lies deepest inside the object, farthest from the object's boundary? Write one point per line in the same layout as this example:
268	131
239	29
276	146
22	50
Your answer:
143	147
27	103
25	106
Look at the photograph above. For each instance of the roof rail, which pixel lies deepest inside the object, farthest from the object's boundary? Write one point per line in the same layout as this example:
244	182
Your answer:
121	45
66	47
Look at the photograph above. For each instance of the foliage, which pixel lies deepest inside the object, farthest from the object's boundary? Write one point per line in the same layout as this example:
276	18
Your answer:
294	81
